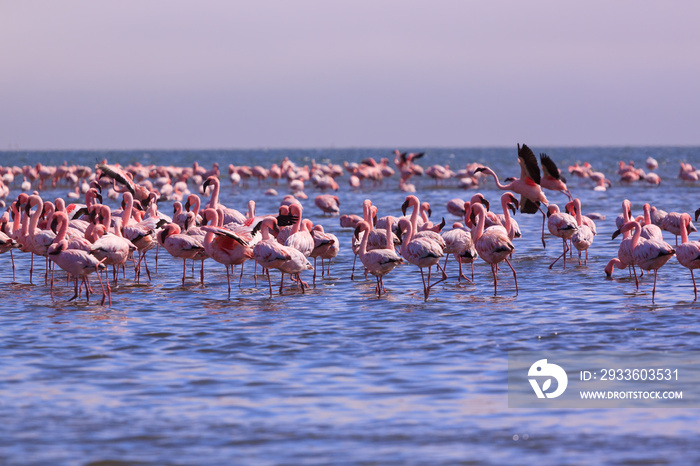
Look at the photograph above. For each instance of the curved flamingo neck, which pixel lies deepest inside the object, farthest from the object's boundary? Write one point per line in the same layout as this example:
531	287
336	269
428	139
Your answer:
265	229
251	209
365	238
214	201
495	178
637	234
414	215
506	212
424	214
34	220
196	205
126	215
62	228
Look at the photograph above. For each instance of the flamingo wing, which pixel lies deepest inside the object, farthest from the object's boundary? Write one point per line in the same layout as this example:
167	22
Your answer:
528	164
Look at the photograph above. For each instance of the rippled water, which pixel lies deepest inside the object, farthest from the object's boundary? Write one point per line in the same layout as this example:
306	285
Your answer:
173	374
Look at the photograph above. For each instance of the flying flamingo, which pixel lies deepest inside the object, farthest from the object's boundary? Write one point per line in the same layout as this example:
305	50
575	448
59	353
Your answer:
378	262
688	252
492	244
552	179
528	186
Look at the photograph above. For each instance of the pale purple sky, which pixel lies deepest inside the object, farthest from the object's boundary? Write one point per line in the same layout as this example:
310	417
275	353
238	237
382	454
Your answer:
280	73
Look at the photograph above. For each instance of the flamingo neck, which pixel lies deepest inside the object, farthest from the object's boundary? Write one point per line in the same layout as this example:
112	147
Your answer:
197	204
414	216
34	220
62	229
684	231
389	238
481	222
214	201
647	215
637	235
506	213
577	211
495	178
363	243
126	215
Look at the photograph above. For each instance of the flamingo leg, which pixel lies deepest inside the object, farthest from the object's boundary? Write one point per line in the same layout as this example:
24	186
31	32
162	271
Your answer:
184	269
377	289
636	280
352	274
315	271
695	288
157	249
201	274
240	277
75	295
426	290
269	282
12	258
560	256
653	290
281	282
515	277
228	279
31	269
329	267
544	217
495	280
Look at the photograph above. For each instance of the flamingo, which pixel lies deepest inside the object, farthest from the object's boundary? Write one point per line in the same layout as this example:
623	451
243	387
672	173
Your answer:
648	254
672	224
113	249
328	252
328	204
551	178
458	242
226	246
179	245
230	215
528	186
378	262
421	252
562	226
78	264
583	237
272	255
492	244
688	252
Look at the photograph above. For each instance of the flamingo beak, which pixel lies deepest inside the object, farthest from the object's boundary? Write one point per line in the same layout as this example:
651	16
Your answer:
486	203
206	183
616	234
697	214
404	206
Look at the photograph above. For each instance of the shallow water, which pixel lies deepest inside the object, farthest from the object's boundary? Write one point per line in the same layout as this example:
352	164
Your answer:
184	375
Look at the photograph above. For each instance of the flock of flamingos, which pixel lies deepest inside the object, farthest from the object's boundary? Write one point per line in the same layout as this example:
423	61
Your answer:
90	237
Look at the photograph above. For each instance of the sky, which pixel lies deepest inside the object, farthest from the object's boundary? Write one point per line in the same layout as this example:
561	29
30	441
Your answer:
175	74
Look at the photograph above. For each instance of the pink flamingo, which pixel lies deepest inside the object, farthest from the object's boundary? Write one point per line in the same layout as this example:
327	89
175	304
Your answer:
551	178
272	255
328	251
688	252
78	264
562	226
113	249
328	204
179	245
583	237
421	252
378	262
492	244
230	215
226	246
528	186
648	254
458	242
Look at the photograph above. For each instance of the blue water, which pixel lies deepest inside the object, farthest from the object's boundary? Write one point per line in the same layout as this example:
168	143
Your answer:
183	375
